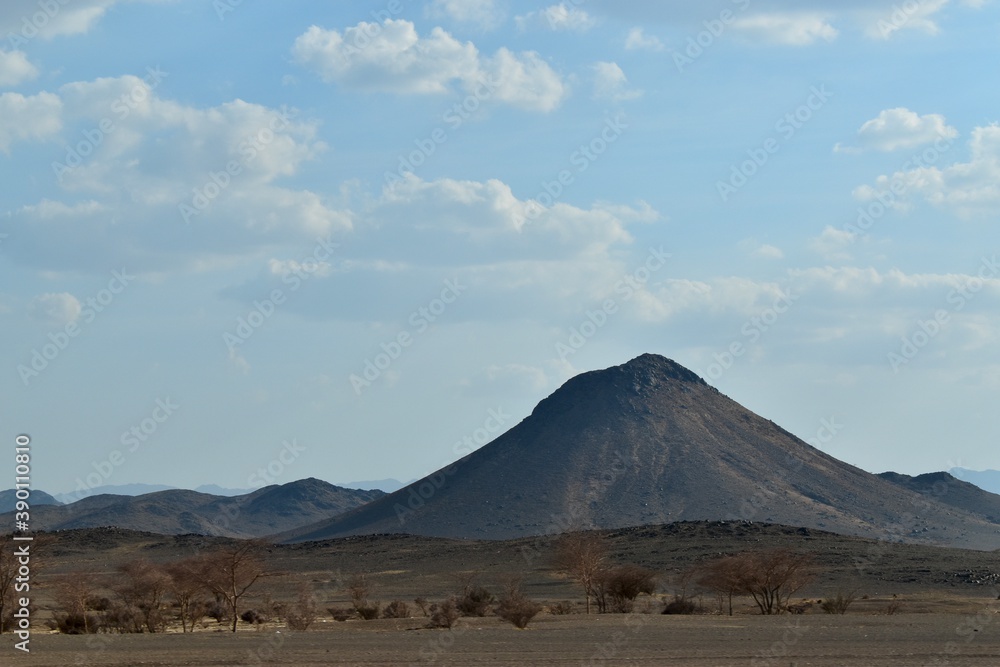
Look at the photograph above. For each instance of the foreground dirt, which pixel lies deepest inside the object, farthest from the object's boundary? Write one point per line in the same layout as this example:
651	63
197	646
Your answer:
703	641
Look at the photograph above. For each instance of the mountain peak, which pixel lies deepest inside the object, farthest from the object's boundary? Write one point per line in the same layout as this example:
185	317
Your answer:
654	366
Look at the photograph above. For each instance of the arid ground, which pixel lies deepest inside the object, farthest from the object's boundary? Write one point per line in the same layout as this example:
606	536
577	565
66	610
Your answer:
909	639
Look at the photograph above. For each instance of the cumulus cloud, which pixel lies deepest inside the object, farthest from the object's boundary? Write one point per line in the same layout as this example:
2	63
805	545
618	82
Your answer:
833	243
15	68
484	14
965	188
791	29
28	118
774	21
610	83
393	57
55	309
899	129
638	40
556	18
215	171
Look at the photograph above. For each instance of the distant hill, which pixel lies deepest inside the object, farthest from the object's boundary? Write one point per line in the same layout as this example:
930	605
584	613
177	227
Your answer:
649	442
945	488
387	485
115	490
8	499
178	511
988	480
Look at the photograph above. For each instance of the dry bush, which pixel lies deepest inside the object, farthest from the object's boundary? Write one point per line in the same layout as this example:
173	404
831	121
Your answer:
770	577
73	613
340	613
582	556
229	573
300	615
368	612
422	603
141	588
680	605
893	606
618	587
839	604
444	615
515	607
475	601
396	609
561	608
187	590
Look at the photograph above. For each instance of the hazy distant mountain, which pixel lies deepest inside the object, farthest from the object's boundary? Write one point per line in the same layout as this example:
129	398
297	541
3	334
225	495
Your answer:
178	511
945	488
8	499
649	442
988	480
115	490
387	485
217	490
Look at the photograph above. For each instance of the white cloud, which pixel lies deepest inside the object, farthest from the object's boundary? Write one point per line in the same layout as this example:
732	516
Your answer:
557	18
965	188
637	40
392	57
126	194
15	68
793	29
610	83
55	309
28	118
900	128
23	20
485	14
765	251
833	243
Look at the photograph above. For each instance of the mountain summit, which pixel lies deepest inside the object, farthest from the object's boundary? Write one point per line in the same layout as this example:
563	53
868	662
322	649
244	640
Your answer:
650	442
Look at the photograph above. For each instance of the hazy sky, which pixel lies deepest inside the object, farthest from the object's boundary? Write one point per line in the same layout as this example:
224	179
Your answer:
357	240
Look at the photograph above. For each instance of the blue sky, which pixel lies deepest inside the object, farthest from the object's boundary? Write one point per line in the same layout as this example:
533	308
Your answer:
356	240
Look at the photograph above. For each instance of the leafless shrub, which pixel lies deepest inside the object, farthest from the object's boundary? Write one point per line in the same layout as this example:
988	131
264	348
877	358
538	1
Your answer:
396	609
300	615
893	606
444	615
618	587
229	573
582	556
73	613
561	608
475	601
368	612
838	604
340	613
515	607
770	577
422	603
679	605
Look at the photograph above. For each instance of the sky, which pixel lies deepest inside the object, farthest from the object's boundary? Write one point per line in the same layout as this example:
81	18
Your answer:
248	242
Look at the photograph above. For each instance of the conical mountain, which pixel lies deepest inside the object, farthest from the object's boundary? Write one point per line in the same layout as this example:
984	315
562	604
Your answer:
649	442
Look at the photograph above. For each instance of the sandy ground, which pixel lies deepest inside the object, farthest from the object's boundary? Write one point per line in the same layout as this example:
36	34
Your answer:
705	641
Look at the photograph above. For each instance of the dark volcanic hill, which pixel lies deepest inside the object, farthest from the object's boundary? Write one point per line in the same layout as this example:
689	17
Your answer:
178	511
649	442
